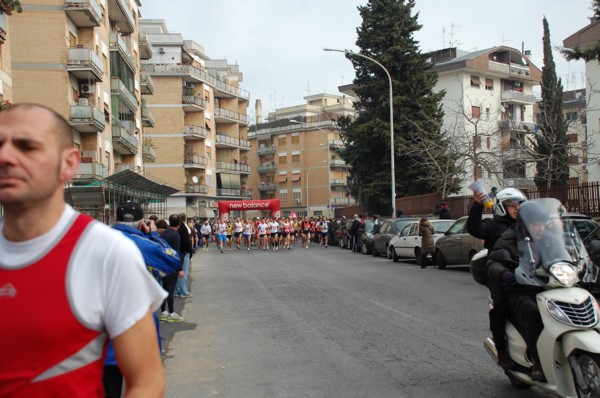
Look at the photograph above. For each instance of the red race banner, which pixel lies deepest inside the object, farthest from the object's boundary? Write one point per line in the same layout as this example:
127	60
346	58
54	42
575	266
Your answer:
273	205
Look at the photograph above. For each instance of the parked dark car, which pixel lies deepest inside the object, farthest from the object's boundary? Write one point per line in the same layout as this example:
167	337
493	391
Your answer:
366	234
388	229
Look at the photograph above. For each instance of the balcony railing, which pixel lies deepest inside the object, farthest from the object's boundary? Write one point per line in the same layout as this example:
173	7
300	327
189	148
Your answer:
82	61
148	153
339	182
338	163
124	142
118	44
336	144
121	15
231	115
232	166
271	186
192	161
145	47
515	154
84	13
117	87
196	188
229	192
194	132
225	140
266	168
515	125
148	117
343	201
196	103
517	97
91	171
519	70
87	119
196	73
266	150
146	83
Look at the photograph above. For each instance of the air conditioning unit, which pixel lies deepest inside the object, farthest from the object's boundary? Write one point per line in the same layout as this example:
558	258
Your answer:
87	88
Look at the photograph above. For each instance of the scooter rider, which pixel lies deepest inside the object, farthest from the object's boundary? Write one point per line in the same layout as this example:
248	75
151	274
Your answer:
506	206
521	298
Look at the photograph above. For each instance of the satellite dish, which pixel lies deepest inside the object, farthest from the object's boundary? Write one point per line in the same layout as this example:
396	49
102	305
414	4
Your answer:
195	180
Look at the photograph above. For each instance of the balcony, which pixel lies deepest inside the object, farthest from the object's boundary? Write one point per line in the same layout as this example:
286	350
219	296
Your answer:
266	168
121	16
519	183
148	119
229	192
266	150
84	64
515	153
338	163
146	83
87	119
128	166
117	44
195	162
148	153
225	141
145	47
246	193
336	144
192	132
118	88
191	103
3	27
124	142
343	201
84	13
270	186
227	116
91	171
517	97
195	74
196	188
515	125
233	167
338	182
519	70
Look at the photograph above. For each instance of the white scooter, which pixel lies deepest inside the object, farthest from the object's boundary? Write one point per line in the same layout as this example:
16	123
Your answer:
569	345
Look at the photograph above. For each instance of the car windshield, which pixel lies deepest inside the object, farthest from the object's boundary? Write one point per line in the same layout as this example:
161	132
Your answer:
368	226
442	226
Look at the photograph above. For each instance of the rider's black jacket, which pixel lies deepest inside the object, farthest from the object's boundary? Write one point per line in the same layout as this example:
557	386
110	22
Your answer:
488	229
508	241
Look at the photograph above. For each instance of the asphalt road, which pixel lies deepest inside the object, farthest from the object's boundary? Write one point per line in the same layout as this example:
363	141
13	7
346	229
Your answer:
329	323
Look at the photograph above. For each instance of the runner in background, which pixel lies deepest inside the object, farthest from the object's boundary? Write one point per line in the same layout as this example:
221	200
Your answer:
305	232
248	233
275	234
238	227
324	231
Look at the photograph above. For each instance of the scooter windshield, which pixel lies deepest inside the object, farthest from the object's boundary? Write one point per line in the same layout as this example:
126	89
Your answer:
545	238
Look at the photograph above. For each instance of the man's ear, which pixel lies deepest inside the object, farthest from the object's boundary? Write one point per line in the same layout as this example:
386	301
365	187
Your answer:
71	158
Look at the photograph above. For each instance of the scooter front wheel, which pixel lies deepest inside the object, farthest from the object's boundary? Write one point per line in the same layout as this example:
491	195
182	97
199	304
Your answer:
515	382
589	365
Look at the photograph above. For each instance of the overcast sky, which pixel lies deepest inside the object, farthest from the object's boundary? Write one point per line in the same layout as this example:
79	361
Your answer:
278	44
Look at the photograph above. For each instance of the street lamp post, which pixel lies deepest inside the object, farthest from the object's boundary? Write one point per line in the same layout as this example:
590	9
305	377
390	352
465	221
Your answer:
307	173
328	163
392	161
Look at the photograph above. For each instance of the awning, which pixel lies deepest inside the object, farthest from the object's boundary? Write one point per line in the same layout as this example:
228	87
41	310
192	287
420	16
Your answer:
475	80
133	180
282	178
295	177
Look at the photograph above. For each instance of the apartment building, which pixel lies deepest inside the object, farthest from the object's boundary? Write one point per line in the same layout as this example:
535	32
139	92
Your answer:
574	109
586	38
488	109
295	155
5	63
81	58
201	122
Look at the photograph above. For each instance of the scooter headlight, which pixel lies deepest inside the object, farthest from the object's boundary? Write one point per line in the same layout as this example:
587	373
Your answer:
564	273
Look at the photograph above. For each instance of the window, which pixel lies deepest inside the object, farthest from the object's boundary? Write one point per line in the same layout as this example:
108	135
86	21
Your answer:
478	172
476	142
283	195
475	82
572	137
295	158
488	142
297	195
281	141
574	160
295	139
571	116
475	112
283	159
489	84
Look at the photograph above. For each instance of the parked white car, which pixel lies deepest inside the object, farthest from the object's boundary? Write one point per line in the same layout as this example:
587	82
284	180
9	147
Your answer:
407	243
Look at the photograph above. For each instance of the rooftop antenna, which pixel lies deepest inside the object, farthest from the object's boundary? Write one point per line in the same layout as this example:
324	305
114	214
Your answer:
452	42
307	87
504	40
443	37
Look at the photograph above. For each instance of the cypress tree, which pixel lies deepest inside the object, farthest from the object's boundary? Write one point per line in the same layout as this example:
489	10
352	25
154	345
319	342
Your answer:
551	142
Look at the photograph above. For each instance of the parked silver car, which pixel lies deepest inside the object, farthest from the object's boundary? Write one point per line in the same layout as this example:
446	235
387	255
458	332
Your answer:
407	243
457	246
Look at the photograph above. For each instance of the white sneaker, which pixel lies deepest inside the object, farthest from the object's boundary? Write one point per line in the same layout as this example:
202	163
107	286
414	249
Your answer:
174	317
163	316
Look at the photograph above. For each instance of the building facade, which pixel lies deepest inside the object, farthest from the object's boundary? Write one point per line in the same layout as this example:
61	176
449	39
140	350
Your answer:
5	59
295	155
201	122
88	71
489	112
